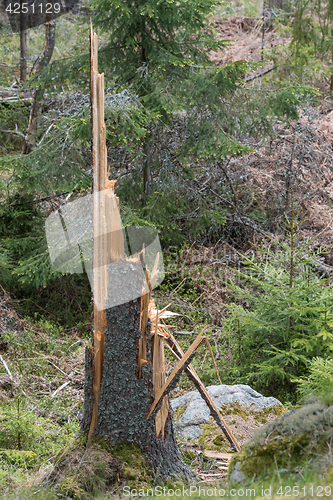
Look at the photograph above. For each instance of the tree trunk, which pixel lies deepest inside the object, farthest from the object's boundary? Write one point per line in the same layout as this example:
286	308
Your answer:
146	167
36	106
125	397
278	4
23	47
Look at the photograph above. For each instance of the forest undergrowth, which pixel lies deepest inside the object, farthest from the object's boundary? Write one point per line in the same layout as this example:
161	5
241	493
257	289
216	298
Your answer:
247	239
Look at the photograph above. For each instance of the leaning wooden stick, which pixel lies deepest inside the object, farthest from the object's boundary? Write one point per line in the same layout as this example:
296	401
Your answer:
192	375
180	366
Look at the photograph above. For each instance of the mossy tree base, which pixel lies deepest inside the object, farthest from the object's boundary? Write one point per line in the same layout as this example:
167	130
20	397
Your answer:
83	473
125	398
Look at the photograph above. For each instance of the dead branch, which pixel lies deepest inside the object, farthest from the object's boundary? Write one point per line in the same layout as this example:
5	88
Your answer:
252	76
13	132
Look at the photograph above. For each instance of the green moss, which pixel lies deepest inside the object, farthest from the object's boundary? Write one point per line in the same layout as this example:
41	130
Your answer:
235	408
133	456
70	487
296	442
208	429
130	474
212	438
219	440
283	452
82	473
261	416
178	412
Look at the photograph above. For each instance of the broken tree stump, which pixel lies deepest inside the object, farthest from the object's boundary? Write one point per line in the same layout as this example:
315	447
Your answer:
121	375
125	398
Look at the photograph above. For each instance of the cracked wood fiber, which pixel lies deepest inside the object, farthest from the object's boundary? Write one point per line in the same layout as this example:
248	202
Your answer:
182	364
119	381
192	375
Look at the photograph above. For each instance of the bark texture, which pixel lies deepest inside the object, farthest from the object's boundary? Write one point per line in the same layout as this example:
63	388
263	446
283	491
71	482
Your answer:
36	106
278	4
125	398
23	46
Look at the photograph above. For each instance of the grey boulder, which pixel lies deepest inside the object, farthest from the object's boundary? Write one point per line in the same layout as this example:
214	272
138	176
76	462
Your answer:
191	412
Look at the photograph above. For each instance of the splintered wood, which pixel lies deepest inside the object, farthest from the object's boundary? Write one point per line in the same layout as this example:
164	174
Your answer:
180	366
108	246
149	311
107	235
159	379
146	310
214	411
219	466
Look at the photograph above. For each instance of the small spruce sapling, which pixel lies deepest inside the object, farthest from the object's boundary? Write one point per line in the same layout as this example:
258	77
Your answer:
284	311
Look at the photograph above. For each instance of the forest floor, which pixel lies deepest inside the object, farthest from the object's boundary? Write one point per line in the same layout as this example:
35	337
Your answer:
41	390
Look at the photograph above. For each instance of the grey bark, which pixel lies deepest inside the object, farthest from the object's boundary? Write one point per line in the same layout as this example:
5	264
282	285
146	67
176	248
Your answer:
42	62
23	46
125	398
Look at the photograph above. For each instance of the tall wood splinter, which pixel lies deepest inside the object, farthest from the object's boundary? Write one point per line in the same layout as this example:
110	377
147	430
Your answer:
126	391
125	365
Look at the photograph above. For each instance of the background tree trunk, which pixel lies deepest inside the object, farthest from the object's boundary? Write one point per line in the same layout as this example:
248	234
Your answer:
23	46
125	398
146	166
42	62
278	4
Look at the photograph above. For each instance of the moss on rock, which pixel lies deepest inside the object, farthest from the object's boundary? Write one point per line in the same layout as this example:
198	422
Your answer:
290	444
178	412
242	420
235	408
262	415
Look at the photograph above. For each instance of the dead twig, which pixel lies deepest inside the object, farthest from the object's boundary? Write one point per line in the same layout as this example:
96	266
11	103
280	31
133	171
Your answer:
60	388
6	367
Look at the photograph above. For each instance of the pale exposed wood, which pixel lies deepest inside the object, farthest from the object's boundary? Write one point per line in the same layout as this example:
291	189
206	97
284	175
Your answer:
218	455
108	245
214	411
100	278
145	302
159	380
164	313
177	369
143	328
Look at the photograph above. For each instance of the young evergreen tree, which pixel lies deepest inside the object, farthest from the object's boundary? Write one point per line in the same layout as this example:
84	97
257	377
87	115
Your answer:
283	314
312	35
158	49
158	73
